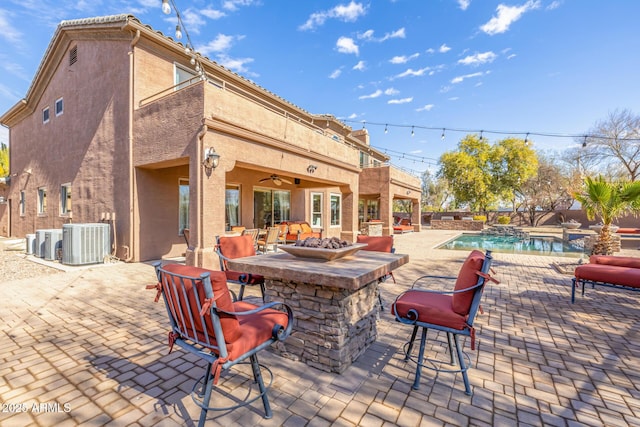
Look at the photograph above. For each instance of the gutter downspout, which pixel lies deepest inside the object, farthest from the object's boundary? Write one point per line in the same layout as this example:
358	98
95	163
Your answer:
200	181
132	234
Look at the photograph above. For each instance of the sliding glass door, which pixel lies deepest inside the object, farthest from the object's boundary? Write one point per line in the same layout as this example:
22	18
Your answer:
270	207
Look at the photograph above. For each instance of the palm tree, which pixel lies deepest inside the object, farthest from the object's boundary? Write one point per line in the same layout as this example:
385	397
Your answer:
608	201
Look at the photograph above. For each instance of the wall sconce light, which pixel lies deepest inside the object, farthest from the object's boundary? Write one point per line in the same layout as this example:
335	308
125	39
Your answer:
211	159
408	192
2	200
311	168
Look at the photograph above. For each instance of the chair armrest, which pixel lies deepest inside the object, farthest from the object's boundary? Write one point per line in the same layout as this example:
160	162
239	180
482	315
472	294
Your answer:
433	291
279	332
415	282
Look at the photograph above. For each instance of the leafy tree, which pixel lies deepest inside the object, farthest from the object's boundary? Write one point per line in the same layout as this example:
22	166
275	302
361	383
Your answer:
550	189
616	148
435	193
480	174
4	160
608	201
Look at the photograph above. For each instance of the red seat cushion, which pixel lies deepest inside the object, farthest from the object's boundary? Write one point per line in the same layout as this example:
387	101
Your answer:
221	295
621	261
467	278
432	308
376	243
616	275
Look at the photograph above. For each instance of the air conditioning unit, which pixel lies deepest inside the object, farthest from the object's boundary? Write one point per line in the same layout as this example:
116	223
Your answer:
40	242
52	244
85	243
31	244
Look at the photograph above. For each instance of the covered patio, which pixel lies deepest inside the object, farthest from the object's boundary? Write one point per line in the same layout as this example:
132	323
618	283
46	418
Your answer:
90	344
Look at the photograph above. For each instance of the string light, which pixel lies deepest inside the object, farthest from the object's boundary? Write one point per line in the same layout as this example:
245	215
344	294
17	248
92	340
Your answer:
412	131
167	6
584	143
386	129
481	135
442	136
527	134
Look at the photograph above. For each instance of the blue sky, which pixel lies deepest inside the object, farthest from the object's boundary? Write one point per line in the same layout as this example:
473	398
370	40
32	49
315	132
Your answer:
537	66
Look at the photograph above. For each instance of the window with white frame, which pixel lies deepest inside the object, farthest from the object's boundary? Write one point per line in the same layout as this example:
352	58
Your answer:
59	107
45	115
42	200
182	76
316	210
65	199
232	205
336	209
23	201
183	205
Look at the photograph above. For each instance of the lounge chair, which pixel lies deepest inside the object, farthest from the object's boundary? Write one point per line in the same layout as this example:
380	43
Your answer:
609	271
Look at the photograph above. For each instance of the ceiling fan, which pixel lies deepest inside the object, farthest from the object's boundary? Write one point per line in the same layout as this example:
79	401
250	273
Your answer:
276	180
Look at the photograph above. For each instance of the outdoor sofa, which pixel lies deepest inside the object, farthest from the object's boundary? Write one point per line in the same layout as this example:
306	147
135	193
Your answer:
300	230
402	226
607	270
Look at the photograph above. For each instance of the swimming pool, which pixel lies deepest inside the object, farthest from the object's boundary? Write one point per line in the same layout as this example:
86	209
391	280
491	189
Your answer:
533	245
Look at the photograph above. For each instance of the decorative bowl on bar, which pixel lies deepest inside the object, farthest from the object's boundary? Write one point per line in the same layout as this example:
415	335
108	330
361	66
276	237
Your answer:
322	253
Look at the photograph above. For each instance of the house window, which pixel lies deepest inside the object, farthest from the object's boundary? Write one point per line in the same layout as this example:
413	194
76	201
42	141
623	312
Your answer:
336	211
59	107
182	76
42	200
373	211
270	207
232	206
22	203
45	115
316	210
364	159
183	205
65	199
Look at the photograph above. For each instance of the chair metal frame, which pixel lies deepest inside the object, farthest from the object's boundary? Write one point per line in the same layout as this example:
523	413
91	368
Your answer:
459	357
244	279
210	344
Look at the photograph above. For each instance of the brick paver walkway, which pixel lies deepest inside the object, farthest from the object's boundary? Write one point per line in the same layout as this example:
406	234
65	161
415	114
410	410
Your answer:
88	347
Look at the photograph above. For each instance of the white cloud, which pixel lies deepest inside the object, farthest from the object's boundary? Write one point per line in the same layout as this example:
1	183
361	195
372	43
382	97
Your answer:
400	101
368	36
403	59
464	4
444	48
360	66
192	21
346	13
221	43
430	50
235	64
554	5
460	79
427	107
478	58
507	15
375	94
412	73
391	91
7	31
213	13
347	45
513	55
336	73
234	4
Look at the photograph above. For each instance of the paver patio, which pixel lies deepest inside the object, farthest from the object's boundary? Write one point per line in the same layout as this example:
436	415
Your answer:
88	347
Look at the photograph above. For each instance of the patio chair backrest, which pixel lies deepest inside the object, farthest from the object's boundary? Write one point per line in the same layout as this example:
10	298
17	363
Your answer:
463	302
236	246
187	290
376	243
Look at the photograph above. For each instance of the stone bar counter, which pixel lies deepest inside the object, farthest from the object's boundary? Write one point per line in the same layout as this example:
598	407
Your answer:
335	303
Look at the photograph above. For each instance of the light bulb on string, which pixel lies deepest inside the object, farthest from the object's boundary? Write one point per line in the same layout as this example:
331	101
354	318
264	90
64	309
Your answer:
386	130
584	143
526	139
412	131
481	135
442	136
166	8
178	32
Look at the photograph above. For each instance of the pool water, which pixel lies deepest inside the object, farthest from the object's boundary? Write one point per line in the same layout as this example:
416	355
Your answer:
534	245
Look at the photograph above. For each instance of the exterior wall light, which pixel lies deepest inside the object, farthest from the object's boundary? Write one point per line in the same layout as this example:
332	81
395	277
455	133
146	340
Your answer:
211	159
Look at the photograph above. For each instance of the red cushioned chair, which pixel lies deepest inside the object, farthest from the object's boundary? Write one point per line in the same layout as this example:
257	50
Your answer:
231	247
205	322
452	312
378	244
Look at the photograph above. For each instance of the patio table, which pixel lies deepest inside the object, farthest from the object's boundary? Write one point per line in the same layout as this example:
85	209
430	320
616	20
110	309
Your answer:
335	303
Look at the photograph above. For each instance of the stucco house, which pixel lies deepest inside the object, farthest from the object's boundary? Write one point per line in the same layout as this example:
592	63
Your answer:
118	126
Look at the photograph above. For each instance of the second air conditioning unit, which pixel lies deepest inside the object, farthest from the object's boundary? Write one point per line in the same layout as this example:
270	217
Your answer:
85	243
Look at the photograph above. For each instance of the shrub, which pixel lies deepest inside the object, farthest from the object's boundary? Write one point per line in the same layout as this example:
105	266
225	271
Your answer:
504	220
482	218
